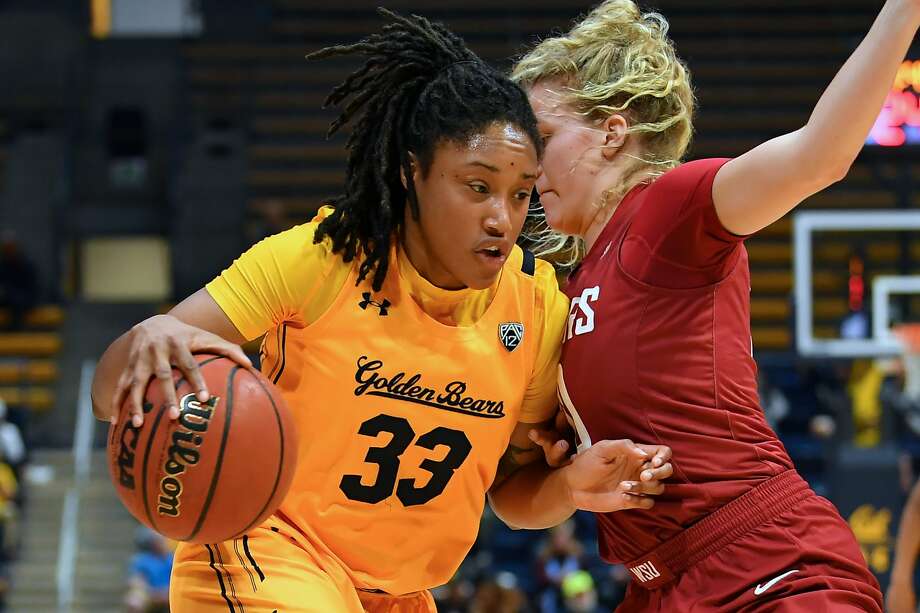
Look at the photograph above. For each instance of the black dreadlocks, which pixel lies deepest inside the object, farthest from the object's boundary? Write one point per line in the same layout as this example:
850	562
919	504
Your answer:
419	85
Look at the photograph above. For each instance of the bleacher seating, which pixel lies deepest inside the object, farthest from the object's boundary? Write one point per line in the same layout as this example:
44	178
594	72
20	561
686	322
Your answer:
42	317
28	371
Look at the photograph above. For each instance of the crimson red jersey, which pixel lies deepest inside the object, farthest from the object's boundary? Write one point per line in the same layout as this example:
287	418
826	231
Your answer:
658	350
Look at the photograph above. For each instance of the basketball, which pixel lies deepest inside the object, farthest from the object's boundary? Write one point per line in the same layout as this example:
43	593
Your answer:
219	470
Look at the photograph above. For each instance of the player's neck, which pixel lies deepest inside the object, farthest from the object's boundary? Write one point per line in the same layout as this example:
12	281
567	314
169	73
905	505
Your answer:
623	173
598	223
419	256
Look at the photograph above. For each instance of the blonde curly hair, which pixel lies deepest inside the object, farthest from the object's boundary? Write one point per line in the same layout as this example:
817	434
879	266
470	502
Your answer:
618	60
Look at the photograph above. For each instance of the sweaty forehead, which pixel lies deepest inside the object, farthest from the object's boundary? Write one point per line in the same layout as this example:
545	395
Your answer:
498	135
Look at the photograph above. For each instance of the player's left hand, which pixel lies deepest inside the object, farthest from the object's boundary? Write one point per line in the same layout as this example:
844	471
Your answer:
557	442
659	455
616	475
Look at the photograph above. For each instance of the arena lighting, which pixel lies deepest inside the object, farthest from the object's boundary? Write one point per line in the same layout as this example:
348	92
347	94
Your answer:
899	122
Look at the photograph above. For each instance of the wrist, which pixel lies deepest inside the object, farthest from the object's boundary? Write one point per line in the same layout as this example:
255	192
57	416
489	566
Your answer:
151	320
901	575
565	476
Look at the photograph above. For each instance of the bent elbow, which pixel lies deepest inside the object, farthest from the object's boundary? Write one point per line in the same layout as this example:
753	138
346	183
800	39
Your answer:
834	170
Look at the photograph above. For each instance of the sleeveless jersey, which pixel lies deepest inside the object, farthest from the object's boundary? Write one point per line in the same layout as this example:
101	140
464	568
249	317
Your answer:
658	350
402	419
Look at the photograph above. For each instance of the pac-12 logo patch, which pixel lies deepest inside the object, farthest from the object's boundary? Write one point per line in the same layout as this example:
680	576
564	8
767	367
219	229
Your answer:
511	334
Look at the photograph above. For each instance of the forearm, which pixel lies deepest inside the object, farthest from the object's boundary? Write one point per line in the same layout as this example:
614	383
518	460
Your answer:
908	541
845	113
534	497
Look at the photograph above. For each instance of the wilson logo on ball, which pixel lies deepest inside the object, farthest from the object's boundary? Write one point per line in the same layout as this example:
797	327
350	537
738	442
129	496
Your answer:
194	418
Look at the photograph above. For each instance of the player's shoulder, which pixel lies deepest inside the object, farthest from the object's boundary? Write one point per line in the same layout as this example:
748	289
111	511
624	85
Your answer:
525	266
686	177
295	248
539	274
302	236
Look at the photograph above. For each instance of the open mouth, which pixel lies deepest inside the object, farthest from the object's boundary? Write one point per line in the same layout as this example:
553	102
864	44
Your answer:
493	258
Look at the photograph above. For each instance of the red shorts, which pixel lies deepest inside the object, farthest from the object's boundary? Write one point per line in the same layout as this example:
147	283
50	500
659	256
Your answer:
801	558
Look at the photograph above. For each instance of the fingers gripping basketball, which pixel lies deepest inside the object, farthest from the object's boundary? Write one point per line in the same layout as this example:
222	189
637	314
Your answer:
219	470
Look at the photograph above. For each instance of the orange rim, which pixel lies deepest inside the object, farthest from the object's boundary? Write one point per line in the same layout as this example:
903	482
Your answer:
909	334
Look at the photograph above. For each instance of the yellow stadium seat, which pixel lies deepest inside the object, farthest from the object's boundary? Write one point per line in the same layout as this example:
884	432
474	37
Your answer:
775	338
828	308
31	371
45	316
35	398
29	344
772	252
769	309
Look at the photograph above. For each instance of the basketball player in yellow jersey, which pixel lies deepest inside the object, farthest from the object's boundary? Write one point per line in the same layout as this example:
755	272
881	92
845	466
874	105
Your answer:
415	343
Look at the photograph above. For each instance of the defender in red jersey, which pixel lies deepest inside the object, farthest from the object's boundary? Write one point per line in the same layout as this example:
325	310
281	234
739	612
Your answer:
658	343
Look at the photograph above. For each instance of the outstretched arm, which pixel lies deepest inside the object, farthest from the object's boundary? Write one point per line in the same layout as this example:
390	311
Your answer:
757	188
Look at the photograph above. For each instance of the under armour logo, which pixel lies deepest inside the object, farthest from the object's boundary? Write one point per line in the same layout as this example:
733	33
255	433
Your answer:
511	334
381	306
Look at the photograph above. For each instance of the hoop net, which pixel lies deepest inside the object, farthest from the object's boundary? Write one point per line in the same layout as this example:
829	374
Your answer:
909	335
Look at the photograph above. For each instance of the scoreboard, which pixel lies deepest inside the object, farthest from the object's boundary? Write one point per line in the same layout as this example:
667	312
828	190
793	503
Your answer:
899	122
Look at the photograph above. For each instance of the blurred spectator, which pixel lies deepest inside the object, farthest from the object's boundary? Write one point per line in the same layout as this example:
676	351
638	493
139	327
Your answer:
12	447
455	596
560	556
864	388
9	514
148	580
611	588
508	550
855	326
579	593
499	595
774	402
18	280
900	390
825	391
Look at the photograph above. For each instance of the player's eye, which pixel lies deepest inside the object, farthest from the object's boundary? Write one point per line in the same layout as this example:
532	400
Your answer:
479	188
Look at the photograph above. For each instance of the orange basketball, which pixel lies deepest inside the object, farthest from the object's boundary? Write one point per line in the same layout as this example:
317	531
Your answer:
219	470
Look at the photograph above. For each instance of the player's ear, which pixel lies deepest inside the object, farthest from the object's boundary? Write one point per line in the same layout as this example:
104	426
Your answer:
615	130
413	165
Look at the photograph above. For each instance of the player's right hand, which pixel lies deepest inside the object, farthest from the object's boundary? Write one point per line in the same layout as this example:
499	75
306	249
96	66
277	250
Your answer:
156	345
617	475
901	597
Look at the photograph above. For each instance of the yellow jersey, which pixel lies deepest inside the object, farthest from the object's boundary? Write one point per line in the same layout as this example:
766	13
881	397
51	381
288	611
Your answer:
404	399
